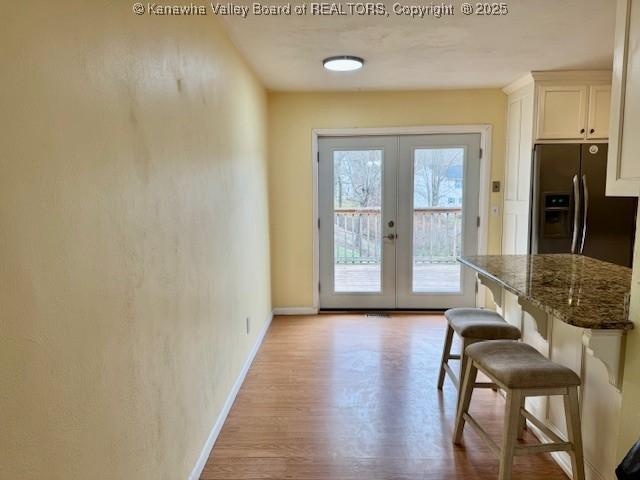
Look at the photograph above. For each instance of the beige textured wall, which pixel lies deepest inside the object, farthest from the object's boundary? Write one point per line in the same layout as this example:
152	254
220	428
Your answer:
133	237
292	116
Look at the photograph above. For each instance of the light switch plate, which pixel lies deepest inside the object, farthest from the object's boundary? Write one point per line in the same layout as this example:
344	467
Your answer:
495	186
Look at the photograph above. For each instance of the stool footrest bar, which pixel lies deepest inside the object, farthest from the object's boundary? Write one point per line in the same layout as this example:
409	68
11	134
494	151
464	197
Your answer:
542	448
480	431
452	375
485	385
541	426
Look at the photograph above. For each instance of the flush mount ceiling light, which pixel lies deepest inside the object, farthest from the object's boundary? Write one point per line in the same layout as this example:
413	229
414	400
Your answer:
343	63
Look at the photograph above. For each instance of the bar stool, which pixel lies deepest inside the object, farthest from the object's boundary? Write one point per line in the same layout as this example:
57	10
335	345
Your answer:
522	372
472	325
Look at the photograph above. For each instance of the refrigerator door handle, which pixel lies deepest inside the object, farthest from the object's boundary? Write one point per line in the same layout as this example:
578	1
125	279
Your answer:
586	210
576	212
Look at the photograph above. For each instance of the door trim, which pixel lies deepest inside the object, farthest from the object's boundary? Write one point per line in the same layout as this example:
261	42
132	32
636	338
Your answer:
485	131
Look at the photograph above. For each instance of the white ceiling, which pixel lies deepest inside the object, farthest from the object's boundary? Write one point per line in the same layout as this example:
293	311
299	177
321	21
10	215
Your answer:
451	52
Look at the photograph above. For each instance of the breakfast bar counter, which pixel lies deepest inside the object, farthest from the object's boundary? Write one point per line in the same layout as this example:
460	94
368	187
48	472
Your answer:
574	310
578	290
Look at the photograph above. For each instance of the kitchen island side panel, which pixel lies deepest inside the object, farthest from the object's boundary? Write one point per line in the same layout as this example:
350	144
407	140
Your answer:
600	401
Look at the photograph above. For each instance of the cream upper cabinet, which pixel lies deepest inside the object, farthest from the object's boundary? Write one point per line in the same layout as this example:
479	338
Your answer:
573	112
599	108
562	112
623	168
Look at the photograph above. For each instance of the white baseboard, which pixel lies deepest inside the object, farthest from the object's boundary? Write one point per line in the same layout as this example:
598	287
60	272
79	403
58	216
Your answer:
217	426
295	311
562	458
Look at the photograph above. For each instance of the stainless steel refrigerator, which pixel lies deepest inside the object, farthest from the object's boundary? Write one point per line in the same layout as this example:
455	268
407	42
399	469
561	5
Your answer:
570	212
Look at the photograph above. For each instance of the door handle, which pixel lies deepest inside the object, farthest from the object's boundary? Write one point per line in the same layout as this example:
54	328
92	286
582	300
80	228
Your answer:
585	211
576	211
391	236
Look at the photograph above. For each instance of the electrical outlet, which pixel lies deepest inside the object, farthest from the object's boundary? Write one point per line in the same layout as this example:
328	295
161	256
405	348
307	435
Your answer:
248	325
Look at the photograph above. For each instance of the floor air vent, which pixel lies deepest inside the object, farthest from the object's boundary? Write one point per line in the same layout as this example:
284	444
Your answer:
377	314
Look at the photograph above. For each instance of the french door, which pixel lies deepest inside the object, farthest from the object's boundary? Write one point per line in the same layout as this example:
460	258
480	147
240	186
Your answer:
395	212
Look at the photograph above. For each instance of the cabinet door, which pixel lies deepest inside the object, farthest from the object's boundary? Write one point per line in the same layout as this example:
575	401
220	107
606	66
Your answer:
562	112
623	166
599	108
517	179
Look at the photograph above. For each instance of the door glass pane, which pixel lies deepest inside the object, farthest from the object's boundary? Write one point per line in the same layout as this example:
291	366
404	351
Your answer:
438	185
357	216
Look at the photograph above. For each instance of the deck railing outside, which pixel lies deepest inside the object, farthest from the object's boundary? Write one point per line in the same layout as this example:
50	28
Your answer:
358	235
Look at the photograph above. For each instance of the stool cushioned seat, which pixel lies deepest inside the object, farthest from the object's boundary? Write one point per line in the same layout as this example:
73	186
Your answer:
480	324
518	365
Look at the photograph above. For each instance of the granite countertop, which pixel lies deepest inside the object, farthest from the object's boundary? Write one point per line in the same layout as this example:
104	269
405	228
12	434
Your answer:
578	290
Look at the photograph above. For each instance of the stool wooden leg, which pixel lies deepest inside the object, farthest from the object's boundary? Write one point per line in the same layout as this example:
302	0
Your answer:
446	351
464	399
510	433
463	361
523	420
572	415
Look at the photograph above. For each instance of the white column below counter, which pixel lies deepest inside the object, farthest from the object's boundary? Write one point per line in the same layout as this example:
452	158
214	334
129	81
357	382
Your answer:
600	399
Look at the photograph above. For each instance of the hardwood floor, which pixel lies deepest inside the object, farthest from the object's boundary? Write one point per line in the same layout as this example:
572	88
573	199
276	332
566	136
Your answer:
345	397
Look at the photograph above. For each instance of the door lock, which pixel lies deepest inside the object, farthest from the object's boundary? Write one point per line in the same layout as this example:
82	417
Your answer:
391	224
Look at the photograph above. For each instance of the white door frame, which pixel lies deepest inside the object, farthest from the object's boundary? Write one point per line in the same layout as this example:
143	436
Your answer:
485	131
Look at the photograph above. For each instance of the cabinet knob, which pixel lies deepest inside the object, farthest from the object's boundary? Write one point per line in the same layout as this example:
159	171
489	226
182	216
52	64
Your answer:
582	131
593	130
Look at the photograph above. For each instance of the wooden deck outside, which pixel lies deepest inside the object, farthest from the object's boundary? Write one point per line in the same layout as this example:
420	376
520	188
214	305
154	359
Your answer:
435	277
